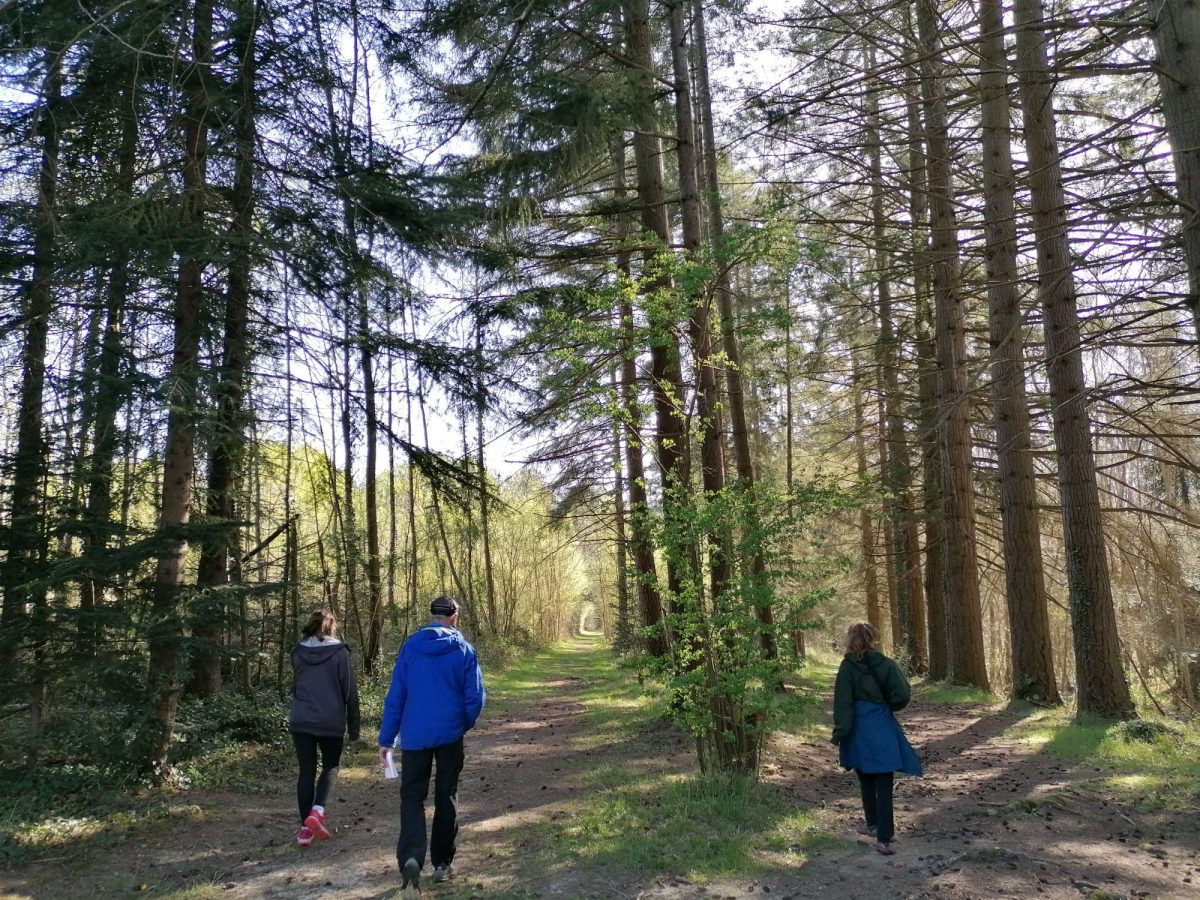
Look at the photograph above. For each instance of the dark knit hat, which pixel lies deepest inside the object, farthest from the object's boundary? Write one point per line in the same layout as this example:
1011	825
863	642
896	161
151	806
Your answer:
444	605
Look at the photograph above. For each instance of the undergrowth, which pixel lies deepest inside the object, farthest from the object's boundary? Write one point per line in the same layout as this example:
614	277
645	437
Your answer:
1153	764
86	789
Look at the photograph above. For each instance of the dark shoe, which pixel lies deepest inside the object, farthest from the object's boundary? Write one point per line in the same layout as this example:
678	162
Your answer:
865	829
410	880
885	849
443	873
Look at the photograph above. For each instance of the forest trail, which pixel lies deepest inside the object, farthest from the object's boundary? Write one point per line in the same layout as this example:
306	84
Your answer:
992	818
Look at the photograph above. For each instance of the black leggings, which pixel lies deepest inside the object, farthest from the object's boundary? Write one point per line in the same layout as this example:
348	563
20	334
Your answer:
877	803
331	758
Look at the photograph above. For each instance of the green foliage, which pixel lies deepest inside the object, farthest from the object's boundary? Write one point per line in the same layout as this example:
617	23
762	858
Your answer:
723	688
208	723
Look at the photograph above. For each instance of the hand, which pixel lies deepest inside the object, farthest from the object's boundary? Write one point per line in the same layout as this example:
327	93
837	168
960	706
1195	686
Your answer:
383	752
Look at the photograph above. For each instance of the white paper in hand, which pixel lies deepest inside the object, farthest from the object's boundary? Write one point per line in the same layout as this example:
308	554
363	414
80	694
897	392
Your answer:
389	767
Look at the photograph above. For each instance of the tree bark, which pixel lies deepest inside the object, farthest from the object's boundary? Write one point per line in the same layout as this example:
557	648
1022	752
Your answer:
1176	29
866	527
623	637
927	376
111	391
732	368
165	637
964	625
700	330
27	530
226	461
666	377
898	472
1098	668
1025	587
485	529
641	544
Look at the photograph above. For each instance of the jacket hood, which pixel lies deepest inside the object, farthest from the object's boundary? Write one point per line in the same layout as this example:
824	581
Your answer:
862	663
434	640
314	656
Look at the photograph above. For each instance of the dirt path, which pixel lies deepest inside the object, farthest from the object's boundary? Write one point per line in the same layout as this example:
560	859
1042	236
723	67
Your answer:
990	819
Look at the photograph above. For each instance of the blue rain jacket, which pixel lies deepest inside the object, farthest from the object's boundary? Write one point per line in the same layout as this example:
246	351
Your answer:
877	743
436	693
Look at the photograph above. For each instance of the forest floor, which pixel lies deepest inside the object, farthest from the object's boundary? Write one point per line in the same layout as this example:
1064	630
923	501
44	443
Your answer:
576	787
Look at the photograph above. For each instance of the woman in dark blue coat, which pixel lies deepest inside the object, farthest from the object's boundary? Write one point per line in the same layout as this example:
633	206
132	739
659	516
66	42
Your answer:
868	690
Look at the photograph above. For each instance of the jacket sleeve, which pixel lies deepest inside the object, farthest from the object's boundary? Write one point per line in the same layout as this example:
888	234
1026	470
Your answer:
474	694
393	705
350	696
899	690
843	703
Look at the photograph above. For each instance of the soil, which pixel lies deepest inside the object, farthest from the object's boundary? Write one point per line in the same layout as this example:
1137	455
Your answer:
990	819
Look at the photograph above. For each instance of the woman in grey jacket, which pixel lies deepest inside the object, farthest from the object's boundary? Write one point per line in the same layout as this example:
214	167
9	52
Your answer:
324	706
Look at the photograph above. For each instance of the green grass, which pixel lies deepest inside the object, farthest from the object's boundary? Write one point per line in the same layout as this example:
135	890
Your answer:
717	827
611	694
940	692
1160	772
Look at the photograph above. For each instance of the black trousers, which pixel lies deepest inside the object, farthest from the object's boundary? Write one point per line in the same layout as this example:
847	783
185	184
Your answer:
877	803
415	768
331	757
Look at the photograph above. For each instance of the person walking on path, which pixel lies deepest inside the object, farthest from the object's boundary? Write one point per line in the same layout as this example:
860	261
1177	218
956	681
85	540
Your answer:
324	706
435	698
868	690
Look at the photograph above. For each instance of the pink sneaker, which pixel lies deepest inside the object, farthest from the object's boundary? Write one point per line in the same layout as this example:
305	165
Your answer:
304	836
316	824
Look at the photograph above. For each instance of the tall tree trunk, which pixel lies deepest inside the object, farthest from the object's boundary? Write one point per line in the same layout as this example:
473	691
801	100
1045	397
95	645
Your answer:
712	457
366	350
412	582
165	637
790	438
898	472
927	376
28	533
349	513
1176	29
370	487
26	536
433	493
641	544
732	369
111	390
866	525
1028	619
210	612
666	381
964	624
1098	669
485	531
623	636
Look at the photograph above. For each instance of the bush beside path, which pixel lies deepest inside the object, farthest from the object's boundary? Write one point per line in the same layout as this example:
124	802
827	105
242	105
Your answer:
577	787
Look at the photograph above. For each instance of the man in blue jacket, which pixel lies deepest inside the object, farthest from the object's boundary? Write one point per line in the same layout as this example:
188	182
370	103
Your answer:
435	698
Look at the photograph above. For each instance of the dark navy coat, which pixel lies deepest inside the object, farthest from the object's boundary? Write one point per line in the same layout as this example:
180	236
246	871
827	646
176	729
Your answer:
867	691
